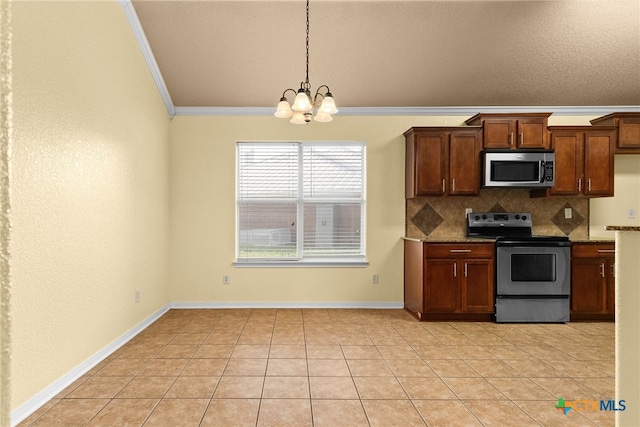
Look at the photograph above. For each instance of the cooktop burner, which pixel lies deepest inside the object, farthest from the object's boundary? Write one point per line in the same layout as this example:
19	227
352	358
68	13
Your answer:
504	227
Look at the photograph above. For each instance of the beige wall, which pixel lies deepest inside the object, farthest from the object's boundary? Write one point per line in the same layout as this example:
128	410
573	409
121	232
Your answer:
615	210
203	210
203	213
89	190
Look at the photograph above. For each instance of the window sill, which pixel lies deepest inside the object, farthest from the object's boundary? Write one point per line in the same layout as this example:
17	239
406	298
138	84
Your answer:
306	263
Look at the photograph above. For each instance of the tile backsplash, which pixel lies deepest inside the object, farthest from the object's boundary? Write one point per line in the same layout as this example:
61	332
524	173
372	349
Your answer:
443	218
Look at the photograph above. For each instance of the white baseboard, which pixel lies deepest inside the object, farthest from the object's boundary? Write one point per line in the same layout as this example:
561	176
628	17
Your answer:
287	304
33	404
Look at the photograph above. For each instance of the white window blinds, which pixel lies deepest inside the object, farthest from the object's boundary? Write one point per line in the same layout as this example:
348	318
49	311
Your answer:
299	201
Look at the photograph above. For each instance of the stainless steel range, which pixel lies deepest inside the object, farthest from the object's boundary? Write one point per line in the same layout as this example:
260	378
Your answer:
533	273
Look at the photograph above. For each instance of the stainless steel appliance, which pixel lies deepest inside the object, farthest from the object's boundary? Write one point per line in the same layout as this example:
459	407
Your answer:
533	273
518	168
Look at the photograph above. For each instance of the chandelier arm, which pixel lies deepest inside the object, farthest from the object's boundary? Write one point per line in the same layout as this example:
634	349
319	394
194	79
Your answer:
284	97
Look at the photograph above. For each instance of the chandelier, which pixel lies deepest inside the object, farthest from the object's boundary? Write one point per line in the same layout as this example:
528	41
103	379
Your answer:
304	105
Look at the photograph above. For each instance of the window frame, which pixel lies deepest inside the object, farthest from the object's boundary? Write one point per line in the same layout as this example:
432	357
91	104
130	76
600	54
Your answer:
333	260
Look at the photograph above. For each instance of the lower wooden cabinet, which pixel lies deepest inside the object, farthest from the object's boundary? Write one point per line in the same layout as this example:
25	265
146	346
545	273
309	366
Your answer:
450	281
592	281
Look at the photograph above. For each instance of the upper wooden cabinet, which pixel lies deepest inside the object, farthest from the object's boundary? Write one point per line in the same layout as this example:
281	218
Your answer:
628	130
442	161
584	160
527	130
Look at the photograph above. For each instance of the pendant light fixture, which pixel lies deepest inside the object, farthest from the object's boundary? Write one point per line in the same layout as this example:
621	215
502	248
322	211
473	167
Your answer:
304	105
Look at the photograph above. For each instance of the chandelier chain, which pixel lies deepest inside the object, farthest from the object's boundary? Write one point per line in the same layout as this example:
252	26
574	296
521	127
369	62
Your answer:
307	42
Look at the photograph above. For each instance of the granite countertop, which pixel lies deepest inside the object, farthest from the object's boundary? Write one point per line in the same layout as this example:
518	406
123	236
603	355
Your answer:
481	240
595	240
621	228
452	240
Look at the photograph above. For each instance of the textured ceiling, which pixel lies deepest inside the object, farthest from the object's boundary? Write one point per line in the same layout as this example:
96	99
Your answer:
398	53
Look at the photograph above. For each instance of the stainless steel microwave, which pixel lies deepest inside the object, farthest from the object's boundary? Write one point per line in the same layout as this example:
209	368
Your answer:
518	168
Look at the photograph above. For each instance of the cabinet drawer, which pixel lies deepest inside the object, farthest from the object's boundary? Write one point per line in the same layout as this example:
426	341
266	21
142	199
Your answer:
461	250
589	250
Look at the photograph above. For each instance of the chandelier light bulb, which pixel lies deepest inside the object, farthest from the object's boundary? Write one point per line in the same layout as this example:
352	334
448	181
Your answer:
328	104
302	102
284	109
298	118
322	117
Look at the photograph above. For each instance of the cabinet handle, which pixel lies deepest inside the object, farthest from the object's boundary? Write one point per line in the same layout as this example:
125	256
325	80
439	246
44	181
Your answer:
455	269
465	270
443	185
589	185
579	185
613	270
459	251
521	138
606	251
453	185
602	269
510	139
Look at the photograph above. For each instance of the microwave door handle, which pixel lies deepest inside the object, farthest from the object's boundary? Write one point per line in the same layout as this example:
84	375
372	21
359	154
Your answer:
542	171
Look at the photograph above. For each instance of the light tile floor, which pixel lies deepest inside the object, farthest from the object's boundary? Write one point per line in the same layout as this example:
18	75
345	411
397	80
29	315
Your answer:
334	367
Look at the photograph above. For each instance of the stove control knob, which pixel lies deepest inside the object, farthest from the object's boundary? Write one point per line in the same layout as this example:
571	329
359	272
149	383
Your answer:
477	217
517	216
524	217
484	217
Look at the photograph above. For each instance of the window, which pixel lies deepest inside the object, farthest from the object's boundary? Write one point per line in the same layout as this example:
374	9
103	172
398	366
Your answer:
301	202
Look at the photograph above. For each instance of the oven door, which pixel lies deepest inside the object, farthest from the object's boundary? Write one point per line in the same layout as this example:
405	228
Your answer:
529	270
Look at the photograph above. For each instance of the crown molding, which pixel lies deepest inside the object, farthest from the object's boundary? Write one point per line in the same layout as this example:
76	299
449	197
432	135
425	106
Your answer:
418	111
143	43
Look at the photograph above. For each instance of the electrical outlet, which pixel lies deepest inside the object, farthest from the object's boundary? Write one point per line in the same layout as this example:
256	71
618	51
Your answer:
137	295
568	213
467	211
374	279
226	280
631	214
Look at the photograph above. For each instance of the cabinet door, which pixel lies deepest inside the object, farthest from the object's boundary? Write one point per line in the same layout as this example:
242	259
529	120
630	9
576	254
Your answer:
464	163
441	288
611	287
629	133
588	285
477	286
568	147
598	163
498	133
532	133
430	163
